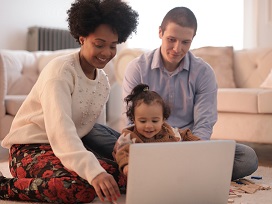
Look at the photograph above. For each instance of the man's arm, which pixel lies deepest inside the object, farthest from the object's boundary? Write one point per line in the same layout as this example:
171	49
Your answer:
205	107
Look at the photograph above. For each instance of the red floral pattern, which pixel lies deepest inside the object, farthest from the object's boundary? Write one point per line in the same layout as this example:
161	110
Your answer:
39	176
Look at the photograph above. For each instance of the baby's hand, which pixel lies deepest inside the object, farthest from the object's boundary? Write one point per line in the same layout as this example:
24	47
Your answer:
125	170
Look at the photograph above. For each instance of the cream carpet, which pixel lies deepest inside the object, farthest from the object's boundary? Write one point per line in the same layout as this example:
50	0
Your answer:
259	197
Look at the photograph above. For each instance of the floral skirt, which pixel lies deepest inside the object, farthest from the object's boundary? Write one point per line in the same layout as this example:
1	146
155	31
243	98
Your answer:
39	176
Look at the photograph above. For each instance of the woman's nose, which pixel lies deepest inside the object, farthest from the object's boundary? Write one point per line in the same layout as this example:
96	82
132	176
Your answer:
107	52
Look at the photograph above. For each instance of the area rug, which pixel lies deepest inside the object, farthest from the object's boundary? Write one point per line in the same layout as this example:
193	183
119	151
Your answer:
259	197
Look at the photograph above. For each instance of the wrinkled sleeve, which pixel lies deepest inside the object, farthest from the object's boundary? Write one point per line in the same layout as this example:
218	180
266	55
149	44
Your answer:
205	107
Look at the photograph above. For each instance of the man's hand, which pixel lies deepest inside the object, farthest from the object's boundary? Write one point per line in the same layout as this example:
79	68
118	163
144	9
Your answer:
104	184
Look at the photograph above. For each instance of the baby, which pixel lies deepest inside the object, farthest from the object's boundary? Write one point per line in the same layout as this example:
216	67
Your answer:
148	112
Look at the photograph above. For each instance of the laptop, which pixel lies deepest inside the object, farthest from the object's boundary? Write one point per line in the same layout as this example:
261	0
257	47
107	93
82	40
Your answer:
180	172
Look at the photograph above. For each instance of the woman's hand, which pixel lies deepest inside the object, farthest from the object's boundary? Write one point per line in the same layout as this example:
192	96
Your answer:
104	184
125	170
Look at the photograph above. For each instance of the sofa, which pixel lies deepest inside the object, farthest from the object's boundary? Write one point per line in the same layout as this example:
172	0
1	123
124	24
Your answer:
244	80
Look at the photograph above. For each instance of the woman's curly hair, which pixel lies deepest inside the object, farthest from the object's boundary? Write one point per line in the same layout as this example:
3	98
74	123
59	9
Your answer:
85	16
141	94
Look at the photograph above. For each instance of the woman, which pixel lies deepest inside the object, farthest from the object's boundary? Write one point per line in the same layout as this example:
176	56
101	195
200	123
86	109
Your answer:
48	160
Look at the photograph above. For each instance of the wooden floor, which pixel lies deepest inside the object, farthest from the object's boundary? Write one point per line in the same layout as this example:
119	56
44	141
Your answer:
264	153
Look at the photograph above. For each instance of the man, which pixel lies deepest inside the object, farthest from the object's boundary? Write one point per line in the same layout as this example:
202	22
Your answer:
187	83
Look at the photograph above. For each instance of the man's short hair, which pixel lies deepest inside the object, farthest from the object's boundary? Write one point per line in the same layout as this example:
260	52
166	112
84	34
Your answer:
182	16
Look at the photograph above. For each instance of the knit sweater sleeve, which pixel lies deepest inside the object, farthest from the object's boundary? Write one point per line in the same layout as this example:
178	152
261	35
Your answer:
121	148
187	135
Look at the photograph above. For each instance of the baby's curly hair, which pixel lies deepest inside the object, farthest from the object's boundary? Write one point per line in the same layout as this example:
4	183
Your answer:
85	16
141	94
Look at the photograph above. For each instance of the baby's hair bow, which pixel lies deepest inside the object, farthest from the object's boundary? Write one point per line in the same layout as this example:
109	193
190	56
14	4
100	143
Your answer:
145	89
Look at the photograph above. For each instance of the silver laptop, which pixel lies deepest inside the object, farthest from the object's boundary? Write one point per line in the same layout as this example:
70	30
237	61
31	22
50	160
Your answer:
196	172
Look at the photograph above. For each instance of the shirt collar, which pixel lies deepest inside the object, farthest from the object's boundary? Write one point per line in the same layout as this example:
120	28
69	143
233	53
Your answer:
157	61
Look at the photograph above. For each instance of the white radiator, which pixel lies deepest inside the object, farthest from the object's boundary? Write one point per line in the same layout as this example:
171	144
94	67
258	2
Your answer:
41	38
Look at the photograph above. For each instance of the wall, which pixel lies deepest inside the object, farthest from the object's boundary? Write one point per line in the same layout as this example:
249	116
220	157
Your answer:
264	23
17	15
257	23
215	27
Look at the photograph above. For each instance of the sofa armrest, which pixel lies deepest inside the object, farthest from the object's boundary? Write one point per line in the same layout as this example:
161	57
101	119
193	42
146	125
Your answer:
3	87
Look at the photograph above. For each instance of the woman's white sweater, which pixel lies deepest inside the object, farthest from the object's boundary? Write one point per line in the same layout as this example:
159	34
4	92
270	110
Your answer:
61	108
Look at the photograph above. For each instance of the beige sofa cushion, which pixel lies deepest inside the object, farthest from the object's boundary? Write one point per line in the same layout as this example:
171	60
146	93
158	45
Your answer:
122	60
268	81
13	103
252	66
244	100
20	71
221	60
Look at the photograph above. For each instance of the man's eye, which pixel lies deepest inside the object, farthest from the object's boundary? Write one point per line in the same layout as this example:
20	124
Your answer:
171	39
186	42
